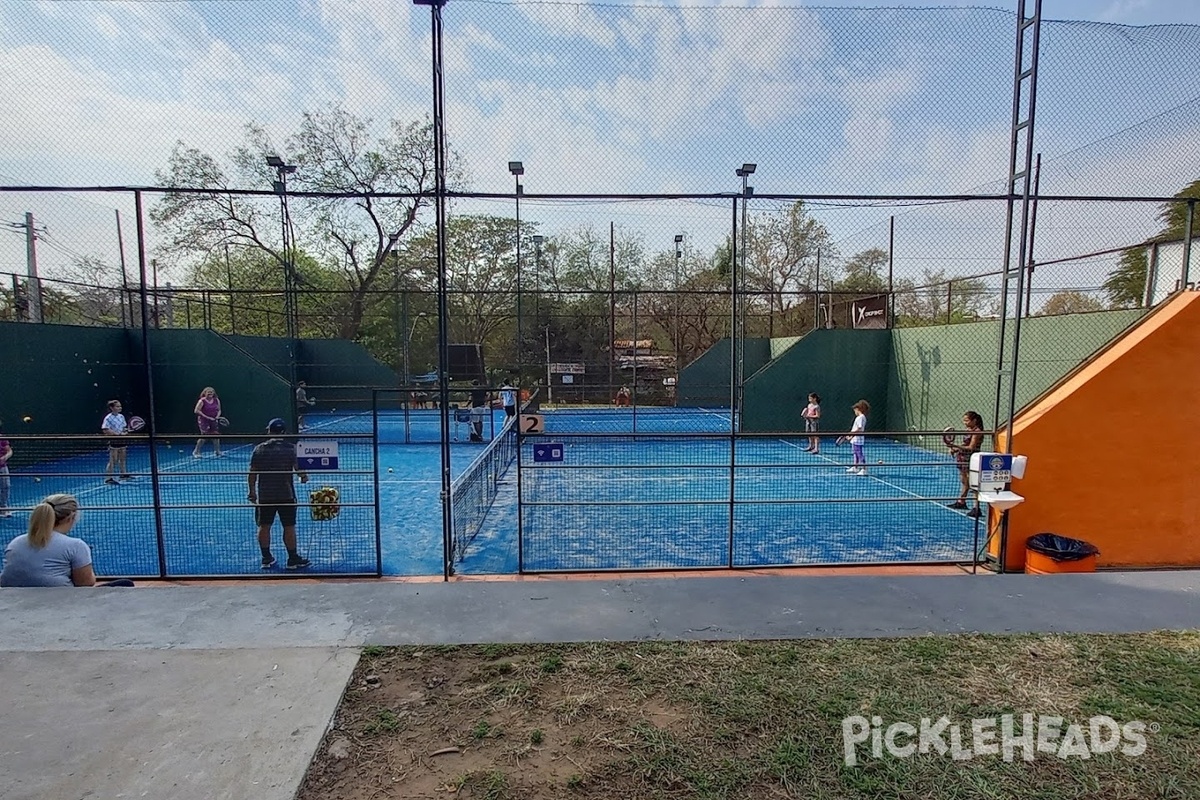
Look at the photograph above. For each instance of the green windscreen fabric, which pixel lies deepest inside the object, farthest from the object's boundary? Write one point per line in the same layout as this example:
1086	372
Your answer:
58	380
842	366
937	373
186	361
704	383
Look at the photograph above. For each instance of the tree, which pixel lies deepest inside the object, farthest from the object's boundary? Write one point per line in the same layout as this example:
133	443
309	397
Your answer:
781	258
938	299
1070	302
335	153
864	273
1126	284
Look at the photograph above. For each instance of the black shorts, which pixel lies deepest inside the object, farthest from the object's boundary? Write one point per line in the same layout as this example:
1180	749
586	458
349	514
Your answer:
117	445
265	515
510	411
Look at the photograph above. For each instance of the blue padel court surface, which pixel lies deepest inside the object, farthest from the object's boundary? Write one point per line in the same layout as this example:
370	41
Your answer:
614	502
646	502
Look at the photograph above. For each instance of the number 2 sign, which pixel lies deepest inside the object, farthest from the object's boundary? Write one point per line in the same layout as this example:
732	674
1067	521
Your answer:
533	423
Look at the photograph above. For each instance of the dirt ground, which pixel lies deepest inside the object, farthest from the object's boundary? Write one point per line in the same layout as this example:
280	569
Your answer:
745	720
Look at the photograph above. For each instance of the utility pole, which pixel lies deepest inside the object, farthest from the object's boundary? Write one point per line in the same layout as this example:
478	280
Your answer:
35	292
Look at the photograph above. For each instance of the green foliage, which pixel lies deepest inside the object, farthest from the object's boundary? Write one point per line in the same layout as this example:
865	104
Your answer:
864	272
1126	285
1070	302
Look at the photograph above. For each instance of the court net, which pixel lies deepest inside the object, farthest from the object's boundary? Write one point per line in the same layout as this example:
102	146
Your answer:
474	491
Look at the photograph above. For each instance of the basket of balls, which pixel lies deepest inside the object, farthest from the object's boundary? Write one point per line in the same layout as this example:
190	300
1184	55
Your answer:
324	503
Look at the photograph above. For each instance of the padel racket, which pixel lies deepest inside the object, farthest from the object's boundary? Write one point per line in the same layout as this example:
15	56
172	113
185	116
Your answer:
136	424
223	422
948	436
841	440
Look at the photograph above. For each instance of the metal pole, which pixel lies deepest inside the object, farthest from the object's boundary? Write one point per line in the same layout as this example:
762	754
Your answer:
949	301
152	416
1037	181
891	268
549	389
741	307
612	305
439	150
157	304
35	283
407	337
520	341
1187	245
375	482
229	280
126	297
1026	233
678	344
733	371
817	294
634	400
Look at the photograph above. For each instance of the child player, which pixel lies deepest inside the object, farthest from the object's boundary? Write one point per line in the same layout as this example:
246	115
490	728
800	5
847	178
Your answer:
857	440
114	425
812	422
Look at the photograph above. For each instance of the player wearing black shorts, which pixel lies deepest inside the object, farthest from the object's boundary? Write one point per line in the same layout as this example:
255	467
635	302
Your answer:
273	493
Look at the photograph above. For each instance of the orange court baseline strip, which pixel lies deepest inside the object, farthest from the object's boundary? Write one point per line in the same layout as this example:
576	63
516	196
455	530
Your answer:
1112	449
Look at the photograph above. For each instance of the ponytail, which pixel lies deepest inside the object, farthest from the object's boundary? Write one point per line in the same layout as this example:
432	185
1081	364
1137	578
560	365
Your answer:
48	513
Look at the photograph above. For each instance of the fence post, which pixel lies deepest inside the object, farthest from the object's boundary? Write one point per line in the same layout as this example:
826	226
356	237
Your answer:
949	299
147	362
1187	245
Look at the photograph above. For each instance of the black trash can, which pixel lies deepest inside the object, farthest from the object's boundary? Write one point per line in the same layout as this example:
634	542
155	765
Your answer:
1049	553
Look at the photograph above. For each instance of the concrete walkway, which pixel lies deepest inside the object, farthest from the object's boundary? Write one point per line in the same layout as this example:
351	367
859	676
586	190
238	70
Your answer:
225	691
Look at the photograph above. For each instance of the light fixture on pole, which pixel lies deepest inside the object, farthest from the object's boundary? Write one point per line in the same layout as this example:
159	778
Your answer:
282	170
744	172
518	169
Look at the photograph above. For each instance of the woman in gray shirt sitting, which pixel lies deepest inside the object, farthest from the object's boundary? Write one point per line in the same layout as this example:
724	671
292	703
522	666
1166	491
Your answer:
47	556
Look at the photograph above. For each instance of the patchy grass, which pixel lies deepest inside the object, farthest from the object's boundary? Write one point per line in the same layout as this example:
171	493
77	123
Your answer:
756	720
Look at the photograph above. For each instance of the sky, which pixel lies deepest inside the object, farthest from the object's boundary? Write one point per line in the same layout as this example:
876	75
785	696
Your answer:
836	97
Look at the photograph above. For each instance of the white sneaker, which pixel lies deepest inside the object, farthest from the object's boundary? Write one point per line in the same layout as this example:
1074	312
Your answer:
852	470
861	472
5	514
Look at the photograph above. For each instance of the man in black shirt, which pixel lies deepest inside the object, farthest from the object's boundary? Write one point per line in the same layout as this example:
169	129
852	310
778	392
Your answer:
272	492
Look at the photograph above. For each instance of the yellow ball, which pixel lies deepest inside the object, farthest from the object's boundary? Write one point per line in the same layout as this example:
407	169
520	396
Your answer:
389	469
37	480
27	419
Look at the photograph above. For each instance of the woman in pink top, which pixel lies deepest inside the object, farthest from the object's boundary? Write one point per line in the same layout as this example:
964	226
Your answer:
208	408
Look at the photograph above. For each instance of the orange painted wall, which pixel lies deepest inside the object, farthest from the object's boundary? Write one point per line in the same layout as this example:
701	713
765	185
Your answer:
1112	449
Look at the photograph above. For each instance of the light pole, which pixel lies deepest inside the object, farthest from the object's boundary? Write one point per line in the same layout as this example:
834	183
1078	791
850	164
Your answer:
407	341
538	239
744	172
518	169
678	344
282	170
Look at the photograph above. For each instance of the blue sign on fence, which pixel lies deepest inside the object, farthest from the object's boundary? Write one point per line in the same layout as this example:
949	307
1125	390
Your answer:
549	451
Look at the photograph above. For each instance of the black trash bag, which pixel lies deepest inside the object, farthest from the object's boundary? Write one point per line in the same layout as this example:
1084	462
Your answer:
1061	548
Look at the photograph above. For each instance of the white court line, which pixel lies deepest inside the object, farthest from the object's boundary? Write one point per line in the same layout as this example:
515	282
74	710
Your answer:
885	483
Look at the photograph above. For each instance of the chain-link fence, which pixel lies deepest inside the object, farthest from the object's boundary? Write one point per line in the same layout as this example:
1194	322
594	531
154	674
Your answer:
665	304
